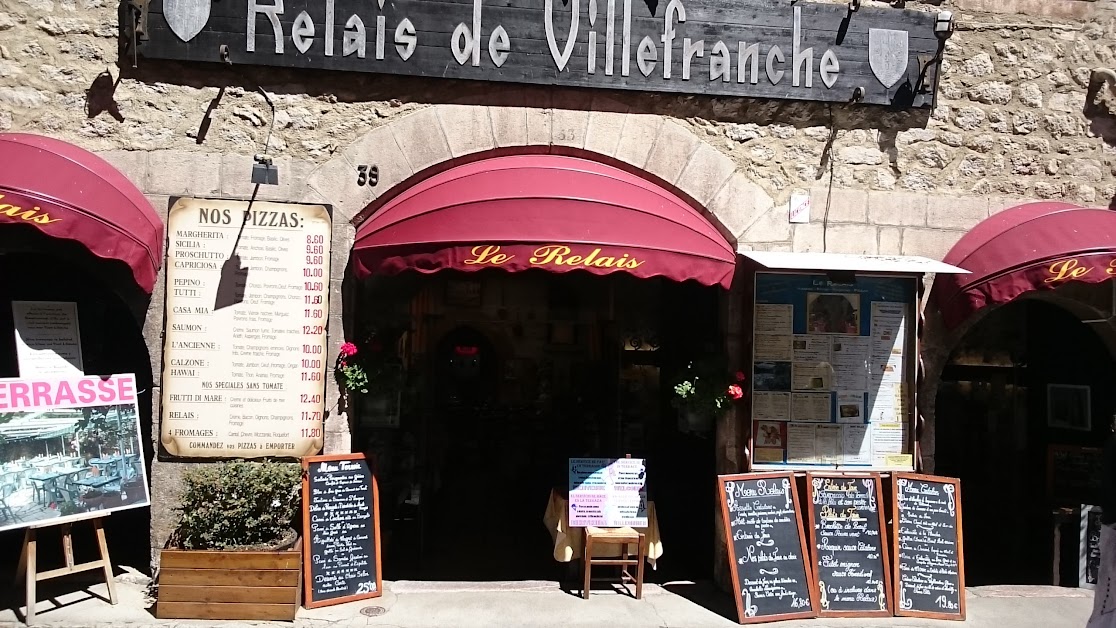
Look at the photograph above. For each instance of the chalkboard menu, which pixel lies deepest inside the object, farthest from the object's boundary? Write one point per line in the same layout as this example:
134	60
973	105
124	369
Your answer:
929	557
850	549
341	530
1073	475
763	530
1088	561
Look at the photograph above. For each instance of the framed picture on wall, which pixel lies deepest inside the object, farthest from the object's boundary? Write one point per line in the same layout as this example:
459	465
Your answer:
1068	407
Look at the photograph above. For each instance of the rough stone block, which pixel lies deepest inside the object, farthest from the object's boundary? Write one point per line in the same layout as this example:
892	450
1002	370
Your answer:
896	208
509	125
603	133
160	203
420	137
539	117
843	205
738	205
807	238
329	179
671	151
341	246
378	148
166	487
640	131
707	170
997	204
771	226
963	212
182	173
468	128
855	239
153	327
131	163
570	118
932	243
891	240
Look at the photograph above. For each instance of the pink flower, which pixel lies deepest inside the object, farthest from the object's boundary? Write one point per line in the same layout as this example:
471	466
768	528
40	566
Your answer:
740	376
735	391
348	349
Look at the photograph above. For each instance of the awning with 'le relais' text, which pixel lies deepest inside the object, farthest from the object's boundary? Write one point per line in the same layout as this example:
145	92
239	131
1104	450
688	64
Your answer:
550	212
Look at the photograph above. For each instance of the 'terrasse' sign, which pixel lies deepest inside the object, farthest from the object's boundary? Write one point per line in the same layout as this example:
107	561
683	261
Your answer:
760	48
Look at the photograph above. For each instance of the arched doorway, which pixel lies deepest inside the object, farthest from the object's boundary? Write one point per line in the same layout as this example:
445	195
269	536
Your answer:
74	230
1023	402
536	308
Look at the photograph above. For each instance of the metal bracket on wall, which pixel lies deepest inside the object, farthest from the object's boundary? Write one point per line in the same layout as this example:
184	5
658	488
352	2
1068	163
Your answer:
136	25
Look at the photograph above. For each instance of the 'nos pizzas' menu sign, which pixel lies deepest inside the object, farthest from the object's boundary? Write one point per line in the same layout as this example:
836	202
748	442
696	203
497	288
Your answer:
929	560
850	548
770	573
341	530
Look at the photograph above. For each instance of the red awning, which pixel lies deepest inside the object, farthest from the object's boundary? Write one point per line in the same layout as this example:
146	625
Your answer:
543	211
1036	246
68	192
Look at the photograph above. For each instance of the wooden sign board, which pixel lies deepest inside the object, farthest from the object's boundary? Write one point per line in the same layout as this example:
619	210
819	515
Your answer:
848	535
771	575
929	558
761	48
341	530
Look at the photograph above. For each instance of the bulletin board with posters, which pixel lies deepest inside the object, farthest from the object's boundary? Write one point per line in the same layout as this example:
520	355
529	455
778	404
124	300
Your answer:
833	367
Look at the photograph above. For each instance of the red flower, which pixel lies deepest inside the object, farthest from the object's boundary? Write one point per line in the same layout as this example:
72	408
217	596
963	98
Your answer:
740	376
348	349
735	391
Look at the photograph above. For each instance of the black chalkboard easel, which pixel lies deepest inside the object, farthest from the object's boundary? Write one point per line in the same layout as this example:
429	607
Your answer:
768	556
341	530
848	537
929	557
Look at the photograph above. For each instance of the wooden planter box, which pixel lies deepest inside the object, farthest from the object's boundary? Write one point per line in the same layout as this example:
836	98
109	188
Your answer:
214	584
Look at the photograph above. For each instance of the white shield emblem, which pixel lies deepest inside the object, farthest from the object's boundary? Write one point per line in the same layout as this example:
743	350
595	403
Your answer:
887	54
186	18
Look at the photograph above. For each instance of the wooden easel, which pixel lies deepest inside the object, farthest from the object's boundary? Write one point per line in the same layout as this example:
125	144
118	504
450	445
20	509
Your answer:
28	559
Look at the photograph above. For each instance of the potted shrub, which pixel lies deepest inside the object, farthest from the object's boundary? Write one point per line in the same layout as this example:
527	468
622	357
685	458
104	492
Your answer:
235	553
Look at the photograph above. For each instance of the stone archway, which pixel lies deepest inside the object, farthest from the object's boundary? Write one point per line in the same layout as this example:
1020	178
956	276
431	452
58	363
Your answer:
653	144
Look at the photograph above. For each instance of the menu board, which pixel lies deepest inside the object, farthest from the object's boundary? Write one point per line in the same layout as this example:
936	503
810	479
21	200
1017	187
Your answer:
247	301
341	530
1073	475
850	550
608	492
831	362
1088	559
767	549
929	557
47	339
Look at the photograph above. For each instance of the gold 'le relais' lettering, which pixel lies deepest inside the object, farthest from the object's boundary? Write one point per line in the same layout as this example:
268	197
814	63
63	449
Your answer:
1066	270
487	255
34	215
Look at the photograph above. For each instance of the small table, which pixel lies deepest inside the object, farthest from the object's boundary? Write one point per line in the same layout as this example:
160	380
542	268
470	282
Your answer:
97	481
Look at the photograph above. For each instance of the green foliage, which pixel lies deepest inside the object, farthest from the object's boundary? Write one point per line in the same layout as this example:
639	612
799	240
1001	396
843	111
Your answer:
702	387
239	504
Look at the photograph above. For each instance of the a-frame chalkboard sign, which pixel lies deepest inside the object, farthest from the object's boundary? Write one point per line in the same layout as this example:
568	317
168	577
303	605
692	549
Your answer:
848	537
929	556
771	575
341	530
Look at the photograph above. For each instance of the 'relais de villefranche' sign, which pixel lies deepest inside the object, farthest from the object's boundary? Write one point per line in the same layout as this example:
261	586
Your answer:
760	48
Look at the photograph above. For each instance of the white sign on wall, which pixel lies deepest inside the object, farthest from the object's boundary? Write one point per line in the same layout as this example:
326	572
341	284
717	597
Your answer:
800	207
48	340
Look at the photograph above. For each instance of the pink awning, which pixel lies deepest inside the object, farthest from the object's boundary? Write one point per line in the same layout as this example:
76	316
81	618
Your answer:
68	192
552	212
1035	246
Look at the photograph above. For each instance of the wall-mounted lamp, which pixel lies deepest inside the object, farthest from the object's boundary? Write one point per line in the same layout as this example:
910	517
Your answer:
854	6
264	171
943	25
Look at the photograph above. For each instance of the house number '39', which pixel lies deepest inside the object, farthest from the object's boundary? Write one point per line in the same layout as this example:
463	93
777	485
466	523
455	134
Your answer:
368	175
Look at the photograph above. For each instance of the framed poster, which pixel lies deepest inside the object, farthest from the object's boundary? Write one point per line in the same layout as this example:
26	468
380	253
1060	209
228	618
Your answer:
70	451
1068	407
833	375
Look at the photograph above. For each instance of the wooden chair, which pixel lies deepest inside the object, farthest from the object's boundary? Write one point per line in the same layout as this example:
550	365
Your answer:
615	536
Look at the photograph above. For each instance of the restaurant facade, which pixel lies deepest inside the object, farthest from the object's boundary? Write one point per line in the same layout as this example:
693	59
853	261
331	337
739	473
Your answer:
528	252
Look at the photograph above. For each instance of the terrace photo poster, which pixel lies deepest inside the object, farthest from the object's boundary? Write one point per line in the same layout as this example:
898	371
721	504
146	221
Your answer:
70	449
